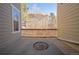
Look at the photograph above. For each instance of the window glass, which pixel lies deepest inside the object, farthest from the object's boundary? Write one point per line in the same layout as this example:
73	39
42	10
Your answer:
15	19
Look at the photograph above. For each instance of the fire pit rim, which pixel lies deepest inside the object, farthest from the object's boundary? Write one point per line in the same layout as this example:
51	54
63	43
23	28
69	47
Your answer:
40	45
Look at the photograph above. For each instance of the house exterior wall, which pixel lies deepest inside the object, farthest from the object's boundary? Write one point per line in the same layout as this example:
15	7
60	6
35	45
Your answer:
6	35
38	21
68	22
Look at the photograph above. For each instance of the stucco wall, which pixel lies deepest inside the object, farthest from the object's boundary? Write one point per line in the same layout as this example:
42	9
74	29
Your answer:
68	22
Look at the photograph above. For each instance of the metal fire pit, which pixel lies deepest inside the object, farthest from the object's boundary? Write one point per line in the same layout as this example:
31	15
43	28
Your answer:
40	46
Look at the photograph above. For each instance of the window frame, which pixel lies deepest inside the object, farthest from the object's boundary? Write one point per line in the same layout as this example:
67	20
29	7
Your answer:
13	31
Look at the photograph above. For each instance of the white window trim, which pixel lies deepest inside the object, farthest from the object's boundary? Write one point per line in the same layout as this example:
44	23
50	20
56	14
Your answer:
12	6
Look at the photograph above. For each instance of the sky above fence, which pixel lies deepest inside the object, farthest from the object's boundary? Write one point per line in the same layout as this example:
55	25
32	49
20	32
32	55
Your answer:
45	8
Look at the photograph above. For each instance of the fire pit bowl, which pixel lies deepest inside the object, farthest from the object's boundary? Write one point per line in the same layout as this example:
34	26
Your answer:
40	46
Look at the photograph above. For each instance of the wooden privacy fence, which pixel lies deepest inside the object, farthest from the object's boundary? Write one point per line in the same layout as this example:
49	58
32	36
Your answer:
39	32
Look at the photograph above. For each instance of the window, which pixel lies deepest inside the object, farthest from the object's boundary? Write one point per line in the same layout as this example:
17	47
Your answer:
15	19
